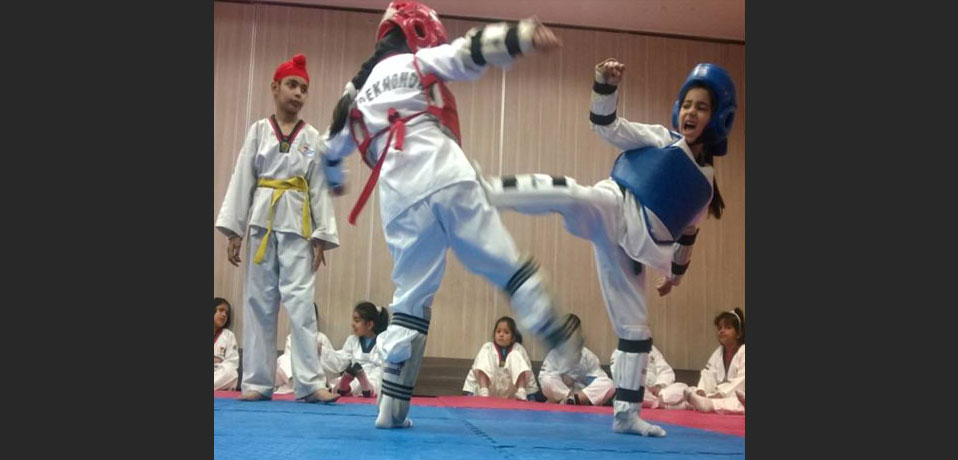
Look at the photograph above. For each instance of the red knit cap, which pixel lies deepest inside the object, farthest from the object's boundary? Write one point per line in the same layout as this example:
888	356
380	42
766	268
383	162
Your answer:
295	66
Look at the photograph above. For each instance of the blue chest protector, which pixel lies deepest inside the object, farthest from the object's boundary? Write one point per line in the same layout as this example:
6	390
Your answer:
666	181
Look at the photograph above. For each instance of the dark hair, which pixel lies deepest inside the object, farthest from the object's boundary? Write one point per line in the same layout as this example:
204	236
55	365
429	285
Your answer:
393	42
734	321
217	301
512	327
369	312
717	205
574	321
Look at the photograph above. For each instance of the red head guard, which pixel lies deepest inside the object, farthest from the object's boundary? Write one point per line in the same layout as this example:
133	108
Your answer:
419	23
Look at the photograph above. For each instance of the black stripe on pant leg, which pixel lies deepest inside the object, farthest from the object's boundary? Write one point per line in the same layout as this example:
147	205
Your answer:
421	322
396	395
410	325
632	396
635	346
521	276
395	390
397	387
562	333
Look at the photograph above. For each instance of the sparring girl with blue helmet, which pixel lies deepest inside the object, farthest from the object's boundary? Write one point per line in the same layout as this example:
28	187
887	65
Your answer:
647	213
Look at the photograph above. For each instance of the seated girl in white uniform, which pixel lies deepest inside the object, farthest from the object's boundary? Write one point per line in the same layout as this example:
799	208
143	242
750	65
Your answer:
362	369
502	367
724	375
225	352
583	384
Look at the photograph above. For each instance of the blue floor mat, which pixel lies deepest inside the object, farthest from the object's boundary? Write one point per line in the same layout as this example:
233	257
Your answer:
288	429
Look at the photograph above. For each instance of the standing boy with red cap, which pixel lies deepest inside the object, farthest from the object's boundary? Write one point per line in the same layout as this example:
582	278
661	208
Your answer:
278	191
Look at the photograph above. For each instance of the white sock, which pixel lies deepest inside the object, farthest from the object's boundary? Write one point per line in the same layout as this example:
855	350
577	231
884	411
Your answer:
521	394
635	425
484	392
399	378
388	407
626	420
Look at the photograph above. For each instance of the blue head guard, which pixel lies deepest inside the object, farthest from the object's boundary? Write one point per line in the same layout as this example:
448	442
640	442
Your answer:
717	80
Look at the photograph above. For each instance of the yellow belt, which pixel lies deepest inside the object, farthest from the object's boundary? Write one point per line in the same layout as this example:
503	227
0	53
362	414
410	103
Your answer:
279	187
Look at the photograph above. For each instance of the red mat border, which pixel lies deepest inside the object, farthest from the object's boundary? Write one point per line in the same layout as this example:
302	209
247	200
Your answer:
727	424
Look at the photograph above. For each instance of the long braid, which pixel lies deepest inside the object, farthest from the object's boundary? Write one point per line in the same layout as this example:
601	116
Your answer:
717	205
393	42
